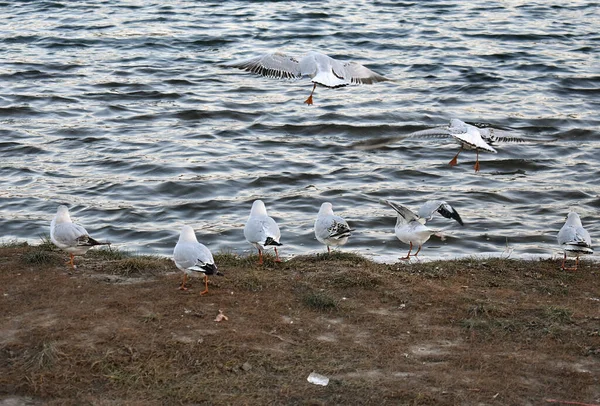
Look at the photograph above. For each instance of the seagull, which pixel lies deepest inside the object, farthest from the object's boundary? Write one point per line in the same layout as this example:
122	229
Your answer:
190	256
262	231
70	237
322	69
574	239
331	229
410	227
468	136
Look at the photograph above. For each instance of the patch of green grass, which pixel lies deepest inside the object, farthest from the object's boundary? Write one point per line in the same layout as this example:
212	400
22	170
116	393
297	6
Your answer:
556	314
140	265
109	254
251	281
359	279
320	301
231	259
41	257
46	243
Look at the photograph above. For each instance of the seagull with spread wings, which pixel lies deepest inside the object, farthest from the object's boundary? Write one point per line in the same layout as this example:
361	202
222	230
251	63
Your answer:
410	227
322	70
468	136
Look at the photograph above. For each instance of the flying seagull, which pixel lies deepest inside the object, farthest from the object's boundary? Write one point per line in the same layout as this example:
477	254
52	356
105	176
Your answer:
322	70
468	136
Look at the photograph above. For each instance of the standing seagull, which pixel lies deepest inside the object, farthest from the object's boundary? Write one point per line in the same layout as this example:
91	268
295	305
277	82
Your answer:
70	237
468	136
262	231
410	227
574	239
190	256
322	69
331	229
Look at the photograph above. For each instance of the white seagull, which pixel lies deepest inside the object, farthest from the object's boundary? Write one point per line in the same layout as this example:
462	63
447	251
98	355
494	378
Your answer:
330	229
262	231
410	227
322	69
192	257
468	136
70	237
574	239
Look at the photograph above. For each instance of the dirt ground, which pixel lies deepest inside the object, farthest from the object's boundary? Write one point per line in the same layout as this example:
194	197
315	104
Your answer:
118	331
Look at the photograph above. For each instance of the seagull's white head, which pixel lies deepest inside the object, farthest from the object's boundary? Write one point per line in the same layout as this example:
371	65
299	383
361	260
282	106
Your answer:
187	234
62	215
326	208
573	219
258	208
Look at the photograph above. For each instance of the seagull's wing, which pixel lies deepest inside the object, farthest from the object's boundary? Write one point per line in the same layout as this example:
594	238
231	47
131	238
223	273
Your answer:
440	206
402	211
274	65
71	235
356	73
577	236
194	257
373	143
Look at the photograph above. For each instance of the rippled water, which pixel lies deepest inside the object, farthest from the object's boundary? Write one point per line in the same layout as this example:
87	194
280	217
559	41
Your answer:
121	111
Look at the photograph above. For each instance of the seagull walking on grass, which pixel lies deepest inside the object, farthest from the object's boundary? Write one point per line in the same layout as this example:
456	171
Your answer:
262	231
330	229
574	240
70	237
410	227
322	70
191	257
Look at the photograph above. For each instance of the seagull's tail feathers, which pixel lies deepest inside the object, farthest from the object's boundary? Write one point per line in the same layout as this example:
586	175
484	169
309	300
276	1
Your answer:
329	79
87	241
271	241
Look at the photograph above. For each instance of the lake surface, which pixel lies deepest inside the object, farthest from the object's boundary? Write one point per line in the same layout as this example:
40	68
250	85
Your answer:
122	111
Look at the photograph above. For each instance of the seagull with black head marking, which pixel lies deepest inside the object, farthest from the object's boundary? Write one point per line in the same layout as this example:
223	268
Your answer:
574	240
468	136
70	237
410	227
262	231
192	257
322	70
330	229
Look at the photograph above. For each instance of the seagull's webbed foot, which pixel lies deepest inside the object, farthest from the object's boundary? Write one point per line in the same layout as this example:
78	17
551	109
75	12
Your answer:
205	291
182	287
309	101
454	160
277	259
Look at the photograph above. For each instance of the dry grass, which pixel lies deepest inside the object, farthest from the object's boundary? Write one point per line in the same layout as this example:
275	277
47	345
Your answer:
117	331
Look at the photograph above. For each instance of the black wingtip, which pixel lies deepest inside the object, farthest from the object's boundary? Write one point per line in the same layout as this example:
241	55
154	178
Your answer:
210	269
271	241
451	214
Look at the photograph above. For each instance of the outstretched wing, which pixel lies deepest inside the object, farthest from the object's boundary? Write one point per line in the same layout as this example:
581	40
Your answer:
373	143
356	73
432	206
402	211
274	65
